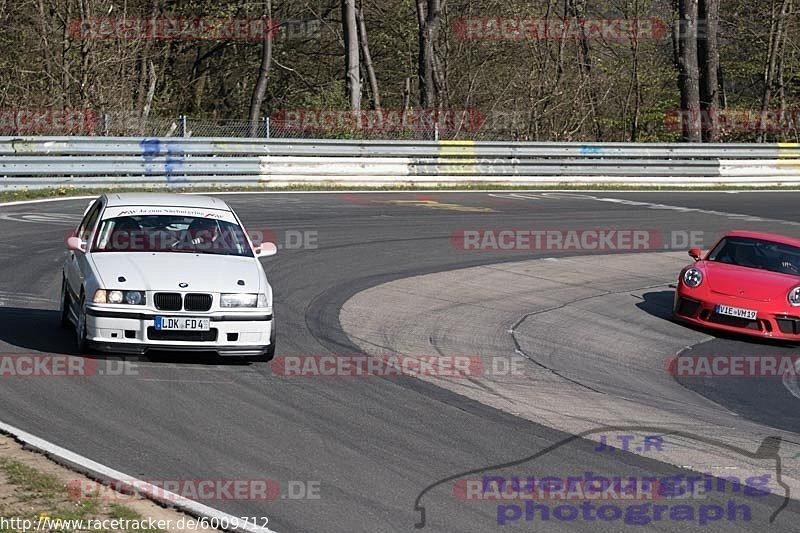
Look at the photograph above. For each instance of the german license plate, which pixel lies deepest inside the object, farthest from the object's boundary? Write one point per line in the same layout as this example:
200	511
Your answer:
169	323
738	312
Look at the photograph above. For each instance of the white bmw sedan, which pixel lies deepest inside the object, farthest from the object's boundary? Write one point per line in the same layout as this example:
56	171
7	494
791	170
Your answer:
167	272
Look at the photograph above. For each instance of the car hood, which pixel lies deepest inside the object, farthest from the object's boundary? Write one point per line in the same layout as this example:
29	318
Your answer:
163	271
749	283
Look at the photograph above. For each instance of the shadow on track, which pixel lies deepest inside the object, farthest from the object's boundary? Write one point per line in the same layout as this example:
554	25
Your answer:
762	399
659	304
38	330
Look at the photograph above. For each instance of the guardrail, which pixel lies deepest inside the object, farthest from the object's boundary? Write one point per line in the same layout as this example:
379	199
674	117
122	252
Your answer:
46	162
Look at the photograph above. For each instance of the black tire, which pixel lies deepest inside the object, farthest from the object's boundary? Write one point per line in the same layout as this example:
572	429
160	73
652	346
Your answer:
80	328
64	320
270	353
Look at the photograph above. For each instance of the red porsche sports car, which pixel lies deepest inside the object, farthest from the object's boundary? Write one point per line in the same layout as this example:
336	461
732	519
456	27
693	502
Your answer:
748	283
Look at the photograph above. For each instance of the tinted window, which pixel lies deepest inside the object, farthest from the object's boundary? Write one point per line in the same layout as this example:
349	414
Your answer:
171	233
757	253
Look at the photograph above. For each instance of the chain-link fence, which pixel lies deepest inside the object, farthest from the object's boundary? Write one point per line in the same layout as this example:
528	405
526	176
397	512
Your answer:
303	124
412	125
280	128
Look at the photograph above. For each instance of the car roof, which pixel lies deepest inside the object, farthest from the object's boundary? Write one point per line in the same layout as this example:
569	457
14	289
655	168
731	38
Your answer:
782	239
165	200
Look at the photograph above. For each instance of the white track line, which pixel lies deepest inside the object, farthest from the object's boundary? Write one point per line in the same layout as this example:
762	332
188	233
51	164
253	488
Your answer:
438	191
737	216
103	473
44	200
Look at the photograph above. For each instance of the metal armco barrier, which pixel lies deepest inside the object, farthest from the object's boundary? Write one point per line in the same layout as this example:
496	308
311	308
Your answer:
47	162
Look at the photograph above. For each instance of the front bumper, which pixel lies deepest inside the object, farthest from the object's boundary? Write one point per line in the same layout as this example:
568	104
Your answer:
768	323
237	333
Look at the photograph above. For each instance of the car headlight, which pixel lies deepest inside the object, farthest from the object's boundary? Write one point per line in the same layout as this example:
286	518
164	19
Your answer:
794	297
243	300
134	297
693	277
103	296
115	297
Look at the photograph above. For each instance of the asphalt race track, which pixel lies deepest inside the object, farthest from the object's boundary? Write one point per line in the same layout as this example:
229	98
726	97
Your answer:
372	444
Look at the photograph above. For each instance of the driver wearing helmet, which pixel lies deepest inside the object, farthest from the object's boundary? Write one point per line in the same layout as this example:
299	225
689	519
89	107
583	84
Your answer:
204	231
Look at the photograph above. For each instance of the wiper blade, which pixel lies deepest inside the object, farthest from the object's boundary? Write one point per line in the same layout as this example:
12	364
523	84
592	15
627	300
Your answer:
176	251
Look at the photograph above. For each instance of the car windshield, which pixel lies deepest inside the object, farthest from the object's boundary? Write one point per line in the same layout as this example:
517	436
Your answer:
169	233
757	253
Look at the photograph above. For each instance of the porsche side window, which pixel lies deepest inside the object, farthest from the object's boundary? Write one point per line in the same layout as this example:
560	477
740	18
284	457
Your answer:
721	253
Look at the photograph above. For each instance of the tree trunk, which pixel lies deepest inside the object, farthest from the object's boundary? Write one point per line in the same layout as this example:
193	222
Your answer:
688	70
637	92
708	51
428	20
352	66
148	102
373	80
781	88
66	63
578	10
43	28
775	44
260	88
86	58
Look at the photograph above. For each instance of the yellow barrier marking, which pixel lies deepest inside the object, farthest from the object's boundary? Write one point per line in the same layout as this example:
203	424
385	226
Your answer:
457	157
789	157
788	150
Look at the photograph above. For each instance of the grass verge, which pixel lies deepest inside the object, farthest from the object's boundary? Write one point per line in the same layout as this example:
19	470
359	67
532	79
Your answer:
35	490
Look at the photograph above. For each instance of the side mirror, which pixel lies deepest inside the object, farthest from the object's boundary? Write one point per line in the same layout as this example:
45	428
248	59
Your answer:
696	253
76	244
266	249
